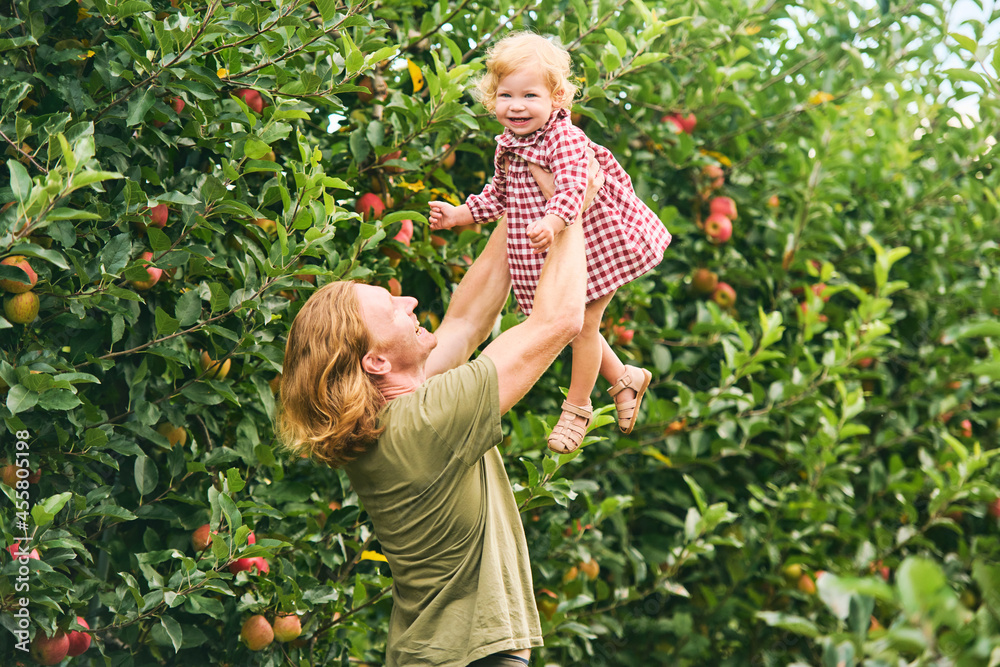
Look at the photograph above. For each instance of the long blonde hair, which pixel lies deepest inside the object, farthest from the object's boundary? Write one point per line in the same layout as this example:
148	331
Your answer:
526	49
329	404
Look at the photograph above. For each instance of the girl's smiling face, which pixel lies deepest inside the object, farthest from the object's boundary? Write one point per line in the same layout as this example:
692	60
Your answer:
524	101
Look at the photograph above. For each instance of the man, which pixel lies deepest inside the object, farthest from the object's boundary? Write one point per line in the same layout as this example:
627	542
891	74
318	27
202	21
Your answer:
416	428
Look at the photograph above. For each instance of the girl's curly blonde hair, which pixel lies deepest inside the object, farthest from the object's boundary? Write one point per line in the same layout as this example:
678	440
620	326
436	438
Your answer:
526	49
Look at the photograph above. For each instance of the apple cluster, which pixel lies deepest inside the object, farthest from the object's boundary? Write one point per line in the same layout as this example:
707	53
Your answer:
21	303
258	633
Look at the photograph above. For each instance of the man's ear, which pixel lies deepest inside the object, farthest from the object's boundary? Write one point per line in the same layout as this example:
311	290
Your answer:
375	364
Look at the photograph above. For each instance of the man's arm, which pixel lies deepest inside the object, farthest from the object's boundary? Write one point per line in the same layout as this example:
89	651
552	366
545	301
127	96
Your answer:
474	307
521	354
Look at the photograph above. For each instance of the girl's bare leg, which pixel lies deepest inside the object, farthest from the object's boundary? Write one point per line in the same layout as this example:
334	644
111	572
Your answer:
588	353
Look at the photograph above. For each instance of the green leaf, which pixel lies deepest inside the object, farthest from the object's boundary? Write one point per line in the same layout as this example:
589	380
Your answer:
158	241
188	310
165	324
45	511
202	393
174	631
966	43
138	105
115	254
20	399
255	149
20	182
234	480
146	475
796	624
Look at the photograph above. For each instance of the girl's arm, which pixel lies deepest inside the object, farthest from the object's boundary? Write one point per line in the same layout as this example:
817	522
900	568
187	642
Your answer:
567	151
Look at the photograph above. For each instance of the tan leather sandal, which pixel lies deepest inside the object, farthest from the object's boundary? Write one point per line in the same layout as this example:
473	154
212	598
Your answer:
638	380
568	432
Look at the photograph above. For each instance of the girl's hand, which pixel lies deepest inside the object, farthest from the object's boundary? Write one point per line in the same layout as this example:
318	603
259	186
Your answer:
442	215
541	232
446	216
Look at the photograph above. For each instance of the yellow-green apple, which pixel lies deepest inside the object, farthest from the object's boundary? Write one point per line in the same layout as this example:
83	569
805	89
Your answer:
9	475
571	574
405	233
723	206
287	627
547	608
213	369
430	318
19	286
704	281
591	569
251	98
174	434
675	427
201	538
724	295
269	226
153	273
257	633
79	641
21	308
448	161
370	206
719	228
793	571
49	650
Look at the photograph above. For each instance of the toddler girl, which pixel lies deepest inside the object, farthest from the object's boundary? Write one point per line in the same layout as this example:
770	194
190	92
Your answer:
527	86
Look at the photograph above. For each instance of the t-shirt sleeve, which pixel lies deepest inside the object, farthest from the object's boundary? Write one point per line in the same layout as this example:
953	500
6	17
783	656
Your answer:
567	155
462	406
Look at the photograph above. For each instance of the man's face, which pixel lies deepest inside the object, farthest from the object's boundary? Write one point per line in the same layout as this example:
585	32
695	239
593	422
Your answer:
398	335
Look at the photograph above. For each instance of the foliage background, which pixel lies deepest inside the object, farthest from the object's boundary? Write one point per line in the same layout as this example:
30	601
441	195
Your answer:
766	444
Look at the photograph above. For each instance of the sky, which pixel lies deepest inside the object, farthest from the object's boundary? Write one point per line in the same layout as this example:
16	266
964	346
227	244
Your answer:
961	11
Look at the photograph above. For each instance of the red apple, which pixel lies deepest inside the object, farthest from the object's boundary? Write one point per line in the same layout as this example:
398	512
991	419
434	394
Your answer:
865	362
201	538
623	335
177	103
704	281
773	201
405	233
719	228
49	650
966	428
715	175
158	215
674	120
287	627
21	308
366	82
18	286
15	552
807	584
688	122
251	98
79	641
251	538
390	169
257	633
395	288
724	206
994	509
153	272
370	206
724	295
247	564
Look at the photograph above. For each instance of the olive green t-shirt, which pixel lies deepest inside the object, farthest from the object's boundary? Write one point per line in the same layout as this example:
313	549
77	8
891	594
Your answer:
444	513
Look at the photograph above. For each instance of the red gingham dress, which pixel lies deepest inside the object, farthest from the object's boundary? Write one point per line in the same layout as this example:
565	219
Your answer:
624	238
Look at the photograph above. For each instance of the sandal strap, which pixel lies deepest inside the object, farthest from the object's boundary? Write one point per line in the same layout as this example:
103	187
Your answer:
621	384
585	411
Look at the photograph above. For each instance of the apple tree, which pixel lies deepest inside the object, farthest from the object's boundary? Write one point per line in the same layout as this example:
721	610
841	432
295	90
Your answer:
814	479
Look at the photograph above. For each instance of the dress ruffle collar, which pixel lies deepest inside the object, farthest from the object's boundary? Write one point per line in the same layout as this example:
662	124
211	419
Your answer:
510	140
